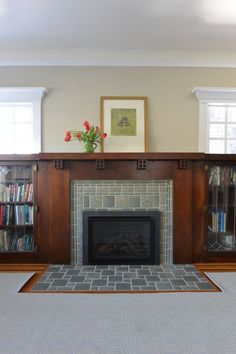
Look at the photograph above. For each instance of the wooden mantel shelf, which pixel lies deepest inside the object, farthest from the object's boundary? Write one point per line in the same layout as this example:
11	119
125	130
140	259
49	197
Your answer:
123	156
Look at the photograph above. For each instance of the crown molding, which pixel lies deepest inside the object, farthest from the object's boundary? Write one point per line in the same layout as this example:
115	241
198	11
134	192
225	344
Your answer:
128	58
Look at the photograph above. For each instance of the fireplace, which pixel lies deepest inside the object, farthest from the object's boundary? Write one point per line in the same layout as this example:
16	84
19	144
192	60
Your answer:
121	237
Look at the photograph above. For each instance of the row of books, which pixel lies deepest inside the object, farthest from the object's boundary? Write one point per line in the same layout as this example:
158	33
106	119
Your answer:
16	192
16	214
218	222
15	241
222	175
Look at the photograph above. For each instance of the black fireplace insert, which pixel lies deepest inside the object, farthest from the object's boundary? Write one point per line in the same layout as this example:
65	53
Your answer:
121	237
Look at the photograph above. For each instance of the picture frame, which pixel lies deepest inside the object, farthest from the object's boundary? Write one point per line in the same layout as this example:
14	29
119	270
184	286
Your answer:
124	119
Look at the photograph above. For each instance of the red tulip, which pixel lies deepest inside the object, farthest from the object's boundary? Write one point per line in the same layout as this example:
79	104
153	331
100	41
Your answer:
86	125
104	135
68	136
78	136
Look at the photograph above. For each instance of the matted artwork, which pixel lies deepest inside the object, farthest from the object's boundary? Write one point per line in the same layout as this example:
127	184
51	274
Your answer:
124	121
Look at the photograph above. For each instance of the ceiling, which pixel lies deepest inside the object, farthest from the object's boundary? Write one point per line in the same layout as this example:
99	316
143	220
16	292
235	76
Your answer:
118	32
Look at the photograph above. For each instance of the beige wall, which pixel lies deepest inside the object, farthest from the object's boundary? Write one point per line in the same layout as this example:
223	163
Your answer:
74	94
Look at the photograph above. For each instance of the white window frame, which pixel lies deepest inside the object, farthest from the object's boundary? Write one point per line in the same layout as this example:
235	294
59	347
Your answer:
28	95
206	96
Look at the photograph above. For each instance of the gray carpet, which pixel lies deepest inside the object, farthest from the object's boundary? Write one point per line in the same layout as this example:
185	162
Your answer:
169	323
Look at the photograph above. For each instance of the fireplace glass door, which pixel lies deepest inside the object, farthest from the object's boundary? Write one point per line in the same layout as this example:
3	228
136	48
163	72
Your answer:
121	238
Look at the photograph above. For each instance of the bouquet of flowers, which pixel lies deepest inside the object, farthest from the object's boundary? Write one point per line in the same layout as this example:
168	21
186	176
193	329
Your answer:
91	136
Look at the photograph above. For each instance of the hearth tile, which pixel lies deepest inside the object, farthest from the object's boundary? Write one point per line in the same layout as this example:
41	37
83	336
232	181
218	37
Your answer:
93	275
56	275
64	288
111	284
122	268
108	272
101	267
82	286
145	288
41	286
153	278
143	272
73	272
53	268
179	272
77	279
177	282
71	284
204	286
163	286
59	282
139	282
130	275
43	279
106	288
114	278
87	268
189	278
177	287
166	276
135	266
122	286
94	288
99	282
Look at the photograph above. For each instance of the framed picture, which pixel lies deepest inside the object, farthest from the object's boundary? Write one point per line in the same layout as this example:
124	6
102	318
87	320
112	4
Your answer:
124	121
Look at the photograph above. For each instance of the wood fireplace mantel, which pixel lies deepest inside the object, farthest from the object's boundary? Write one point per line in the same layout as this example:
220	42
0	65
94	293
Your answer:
57	170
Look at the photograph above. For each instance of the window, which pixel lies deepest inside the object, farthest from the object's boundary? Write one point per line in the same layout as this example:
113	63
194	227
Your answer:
217	120
20	120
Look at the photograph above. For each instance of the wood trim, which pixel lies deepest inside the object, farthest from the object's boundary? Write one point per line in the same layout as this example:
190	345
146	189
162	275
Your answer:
161	156
37	269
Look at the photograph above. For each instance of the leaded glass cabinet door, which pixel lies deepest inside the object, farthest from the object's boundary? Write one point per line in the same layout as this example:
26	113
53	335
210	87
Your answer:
16	209
221	209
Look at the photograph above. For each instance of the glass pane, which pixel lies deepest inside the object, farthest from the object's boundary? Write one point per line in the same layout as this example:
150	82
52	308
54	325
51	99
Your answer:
231	147
24	146
6	131
216	113
7	147
216	146
23	114
6	114
217	131
231	114
23	131
231	131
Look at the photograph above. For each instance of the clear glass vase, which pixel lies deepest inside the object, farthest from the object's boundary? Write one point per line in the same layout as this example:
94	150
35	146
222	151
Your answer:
89	146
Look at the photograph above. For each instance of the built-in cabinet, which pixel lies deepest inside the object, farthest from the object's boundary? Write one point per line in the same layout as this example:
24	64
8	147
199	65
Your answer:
220	211
17	210
35	201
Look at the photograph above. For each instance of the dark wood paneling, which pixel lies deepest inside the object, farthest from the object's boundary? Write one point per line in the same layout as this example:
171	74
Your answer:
182	216
199	210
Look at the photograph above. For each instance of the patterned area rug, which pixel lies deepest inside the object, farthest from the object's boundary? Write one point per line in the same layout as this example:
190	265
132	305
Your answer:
123	278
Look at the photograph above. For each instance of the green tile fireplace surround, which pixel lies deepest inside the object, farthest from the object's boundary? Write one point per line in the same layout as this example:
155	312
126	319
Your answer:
135	195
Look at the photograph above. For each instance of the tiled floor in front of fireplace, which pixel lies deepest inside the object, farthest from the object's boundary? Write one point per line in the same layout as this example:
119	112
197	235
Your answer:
126	278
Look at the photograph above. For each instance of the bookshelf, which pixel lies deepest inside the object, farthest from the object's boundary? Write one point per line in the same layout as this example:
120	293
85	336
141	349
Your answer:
221	223
16	209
